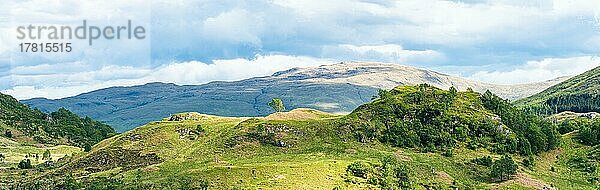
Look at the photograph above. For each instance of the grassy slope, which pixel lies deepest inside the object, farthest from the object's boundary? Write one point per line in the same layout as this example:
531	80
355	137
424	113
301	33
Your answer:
586	83
302	149
14	152
32	126
316	160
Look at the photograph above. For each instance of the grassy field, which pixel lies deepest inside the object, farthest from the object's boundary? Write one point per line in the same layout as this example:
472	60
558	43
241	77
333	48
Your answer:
313	157
15	152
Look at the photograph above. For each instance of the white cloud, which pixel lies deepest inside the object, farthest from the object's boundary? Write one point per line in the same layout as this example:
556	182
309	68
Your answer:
58	85
536	71
392	53
195	72
237	26
433	33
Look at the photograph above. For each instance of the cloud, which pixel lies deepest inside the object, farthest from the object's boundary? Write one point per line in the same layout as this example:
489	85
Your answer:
210	40
392	53
63	84
235	26
466	33
536	71
195	72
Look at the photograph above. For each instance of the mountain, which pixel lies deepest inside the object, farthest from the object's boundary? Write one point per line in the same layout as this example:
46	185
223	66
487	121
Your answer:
412	137
578	94
22	124
337	88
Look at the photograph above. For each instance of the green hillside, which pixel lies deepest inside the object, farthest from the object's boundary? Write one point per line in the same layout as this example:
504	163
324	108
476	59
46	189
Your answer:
22	124
455	139
579	94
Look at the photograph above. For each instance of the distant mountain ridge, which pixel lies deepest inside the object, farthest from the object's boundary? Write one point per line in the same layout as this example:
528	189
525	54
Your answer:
388	76
337	88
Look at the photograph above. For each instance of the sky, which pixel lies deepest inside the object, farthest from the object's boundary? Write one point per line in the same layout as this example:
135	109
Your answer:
195	42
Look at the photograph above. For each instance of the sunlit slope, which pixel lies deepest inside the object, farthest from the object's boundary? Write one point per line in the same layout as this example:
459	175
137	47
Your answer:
578	94
308	149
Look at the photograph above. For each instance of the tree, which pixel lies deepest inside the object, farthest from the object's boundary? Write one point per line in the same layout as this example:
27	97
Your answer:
277	105
504	168
453	91
87	147
8	134
46	155
383	94
359	169
25	164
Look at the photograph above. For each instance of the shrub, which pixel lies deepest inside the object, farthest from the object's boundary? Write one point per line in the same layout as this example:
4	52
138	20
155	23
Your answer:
199	129
483	161
504	168
567	126
529	162
8	134
25	164
390	174
359	169
46	155
589	132
582	163
448	153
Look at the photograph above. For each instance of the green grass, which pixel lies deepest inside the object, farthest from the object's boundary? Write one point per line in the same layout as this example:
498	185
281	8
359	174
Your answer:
563	176
316	158
15	152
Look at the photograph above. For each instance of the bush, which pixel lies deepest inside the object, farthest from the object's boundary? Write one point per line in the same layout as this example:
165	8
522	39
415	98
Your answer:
25	164
390	174
46	155
529	162
483	161
503	169
448	152
567	126
393	174
589	132
99	183
359	169
582	163
8	134
199	129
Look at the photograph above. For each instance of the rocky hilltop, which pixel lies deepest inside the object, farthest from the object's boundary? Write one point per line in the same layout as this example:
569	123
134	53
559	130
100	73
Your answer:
388	76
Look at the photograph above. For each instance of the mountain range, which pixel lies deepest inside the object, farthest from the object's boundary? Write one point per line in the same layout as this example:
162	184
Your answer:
336	88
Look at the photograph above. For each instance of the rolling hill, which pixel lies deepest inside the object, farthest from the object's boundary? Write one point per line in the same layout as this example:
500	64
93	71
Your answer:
453	133
337	88
578	94
31	138
22	124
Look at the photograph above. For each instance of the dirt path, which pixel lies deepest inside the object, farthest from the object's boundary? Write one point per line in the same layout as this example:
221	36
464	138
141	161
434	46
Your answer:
526	181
